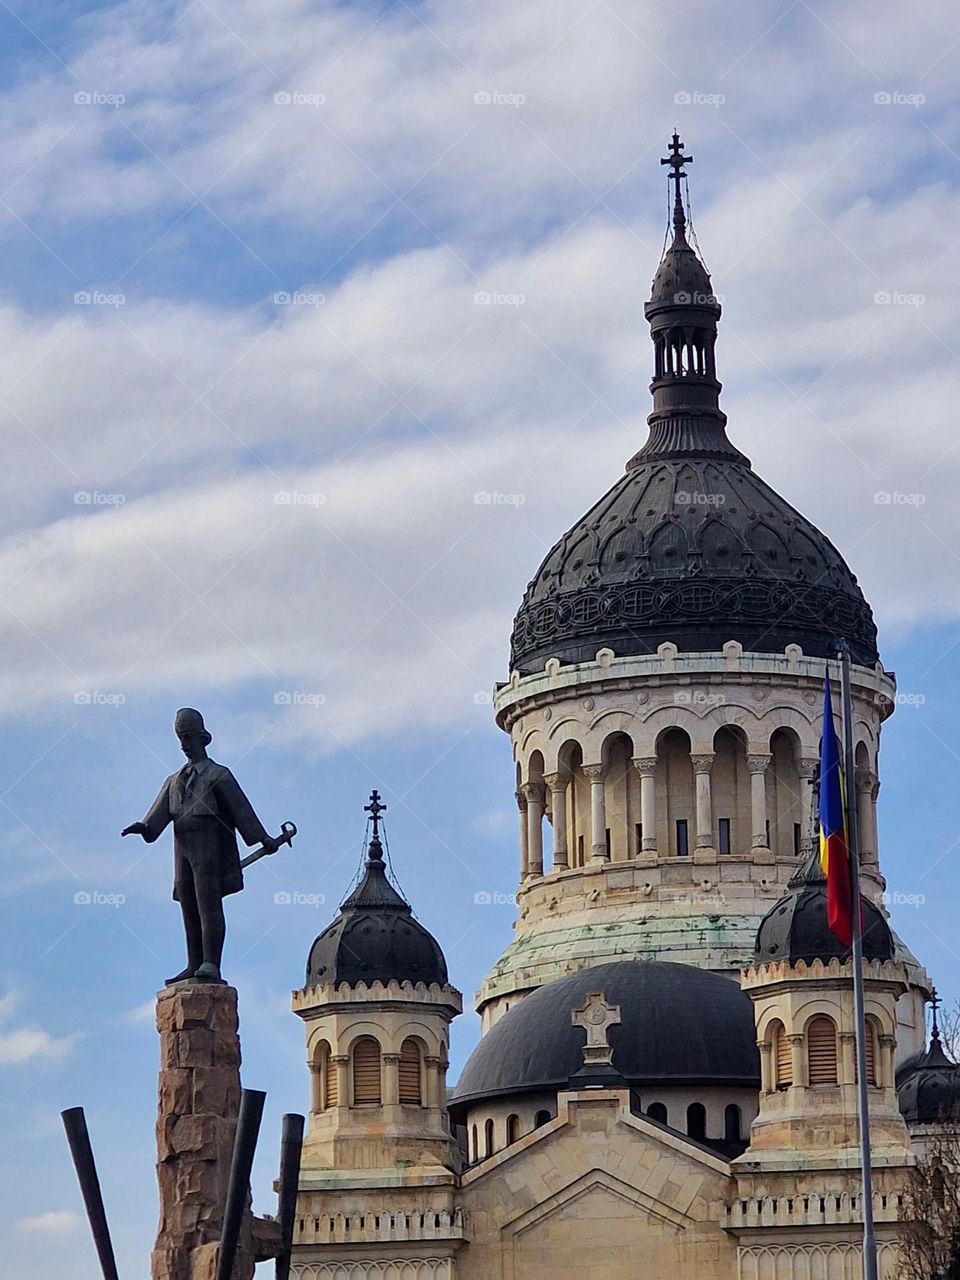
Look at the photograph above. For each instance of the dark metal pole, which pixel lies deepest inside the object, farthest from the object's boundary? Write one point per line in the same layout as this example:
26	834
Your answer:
291	1146
853	842
75	1124
241	1163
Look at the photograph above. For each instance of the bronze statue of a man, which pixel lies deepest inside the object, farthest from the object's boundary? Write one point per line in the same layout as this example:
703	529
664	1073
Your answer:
207	809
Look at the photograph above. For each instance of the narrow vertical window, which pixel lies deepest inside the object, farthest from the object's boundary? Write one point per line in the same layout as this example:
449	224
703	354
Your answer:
782	1058
638	836
488	1139
796	839
731	1123
513	1129
410	1084
723	834
682	849
697	1121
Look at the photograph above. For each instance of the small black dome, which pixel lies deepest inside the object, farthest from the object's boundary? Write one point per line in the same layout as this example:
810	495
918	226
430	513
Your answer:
375	937
928	1084
795	928
679	1025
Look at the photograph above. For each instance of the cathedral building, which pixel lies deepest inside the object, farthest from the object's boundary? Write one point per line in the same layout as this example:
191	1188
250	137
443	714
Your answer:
666	1084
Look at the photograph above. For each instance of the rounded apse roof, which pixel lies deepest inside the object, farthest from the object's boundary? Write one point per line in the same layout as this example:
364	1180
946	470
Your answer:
679	1025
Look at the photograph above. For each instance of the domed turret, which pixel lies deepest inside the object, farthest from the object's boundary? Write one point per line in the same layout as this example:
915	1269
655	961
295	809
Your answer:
689	546
928	1085
375	937
795	928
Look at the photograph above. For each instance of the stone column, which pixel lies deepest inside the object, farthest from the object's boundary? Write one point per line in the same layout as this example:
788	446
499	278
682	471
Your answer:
847	1058
598	820
431	1084
701	768
646	766
340	1063
798	1059
557	782
199	1101
766	1066
524	852
533	794
758	766
391	1079
807	770
316	1086
885	1068
868	788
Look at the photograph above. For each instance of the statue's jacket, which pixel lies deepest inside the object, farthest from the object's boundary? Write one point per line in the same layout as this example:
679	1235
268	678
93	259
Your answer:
212	809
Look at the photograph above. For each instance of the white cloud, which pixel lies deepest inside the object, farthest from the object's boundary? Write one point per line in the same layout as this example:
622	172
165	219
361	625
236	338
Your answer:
55	1222
30	1044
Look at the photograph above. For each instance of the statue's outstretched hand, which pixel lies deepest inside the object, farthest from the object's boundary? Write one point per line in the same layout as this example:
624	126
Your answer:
135	829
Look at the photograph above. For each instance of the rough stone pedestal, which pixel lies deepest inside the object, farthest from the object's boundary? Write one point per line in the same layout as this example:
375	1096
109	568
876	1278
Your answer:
199	1101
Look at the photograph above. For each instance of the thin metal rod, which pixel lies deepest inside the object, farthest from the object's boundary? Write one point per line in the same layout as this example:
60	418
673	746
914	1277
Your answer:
291	1146
853	845
75	1124
241	1163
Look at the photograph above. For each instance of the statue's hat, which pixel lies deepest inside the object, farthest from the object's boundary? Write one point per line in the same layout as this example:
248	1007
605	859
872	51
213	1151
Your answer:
188	720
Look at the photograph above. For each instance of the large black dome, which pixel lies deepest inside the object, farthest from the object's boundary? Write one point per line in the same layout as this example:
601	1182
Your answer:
795	928
679	1025
690	545
697	550
375	937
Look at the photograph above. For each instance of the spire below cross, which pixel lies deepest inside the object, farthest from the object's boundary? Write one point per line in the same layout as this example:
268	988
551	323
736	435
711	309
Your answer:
676	159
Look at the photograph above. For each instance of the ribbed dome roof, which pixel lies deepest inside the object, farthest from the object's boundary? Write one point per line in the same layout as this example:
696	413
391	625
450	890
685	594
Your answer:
690	545
928	1085
795	928
679	1025
375	937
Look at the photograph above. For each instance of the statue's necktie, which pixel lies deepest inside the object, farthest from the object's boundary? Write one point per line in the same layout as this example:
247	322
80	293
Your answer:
187	779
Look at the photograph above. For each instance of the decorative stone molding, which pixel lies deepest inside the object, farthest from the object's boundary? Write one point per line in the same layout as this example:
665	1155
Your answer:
646	766
312	998
593	772
758	763
376	1269
702	763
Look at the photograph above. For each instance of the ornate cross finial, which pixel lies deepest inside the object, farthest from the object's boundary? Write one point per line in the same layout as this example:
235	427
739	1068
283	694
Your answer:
676	159
375	808
935	1002
597	1017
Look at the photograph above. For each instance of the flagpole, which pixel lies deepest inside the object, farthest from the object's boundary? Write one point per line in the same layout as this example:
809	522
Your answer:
853	844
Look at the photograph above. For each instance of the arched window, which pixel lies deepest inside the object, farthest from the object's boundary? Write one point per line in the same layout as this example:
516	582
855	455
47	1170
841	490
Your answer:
513	1130
822	1051
541	1118
731	1123
697	1121
366	1072
488	1138
782	1058
657	1111
410	1088
475	1142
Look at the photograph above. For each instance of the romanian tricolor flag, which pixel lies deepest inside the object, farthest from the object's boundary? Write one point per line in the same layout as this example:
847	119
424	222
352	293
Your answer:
834	854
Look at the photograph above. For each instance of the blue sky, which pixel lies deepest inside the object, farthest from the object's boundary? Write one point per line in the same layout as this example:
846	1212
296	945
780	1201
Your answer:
215	496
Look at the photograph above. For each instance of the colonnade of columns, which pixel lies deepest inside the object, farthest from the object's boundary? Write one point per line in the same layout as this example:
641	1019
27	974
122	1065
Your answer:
532	804
432	1080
